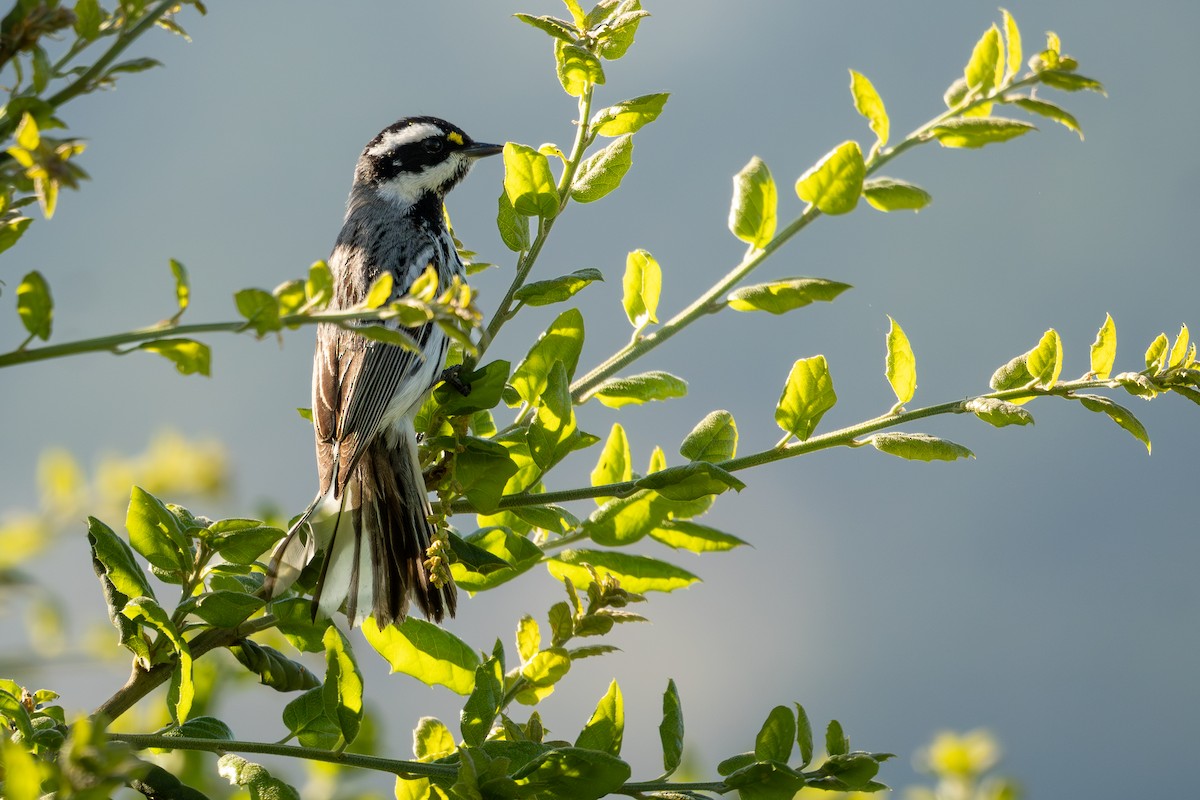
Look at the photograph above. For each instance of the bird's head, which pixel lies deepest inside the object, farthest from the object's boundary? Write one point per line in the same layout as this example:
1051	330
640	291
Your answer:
418	157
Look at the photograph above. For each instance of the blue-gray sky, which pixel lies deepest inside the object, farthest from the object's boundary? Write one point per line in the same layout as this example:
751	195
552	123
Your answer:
1045	590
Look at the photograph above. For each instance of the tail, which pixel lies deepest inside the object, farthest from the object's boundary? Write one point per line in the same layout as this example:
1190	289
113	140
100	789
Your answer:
374	536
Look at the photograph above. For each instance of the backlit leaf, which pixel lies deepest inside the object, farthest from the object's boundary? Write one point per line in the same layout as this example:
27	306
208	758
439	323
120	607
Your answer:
868	103
890	194
979	131
807	395
900	365
602	171
628	116
425	651
919	447
642	285
1104	349
786	294
835	182
638	389
34	305
636	573
752	213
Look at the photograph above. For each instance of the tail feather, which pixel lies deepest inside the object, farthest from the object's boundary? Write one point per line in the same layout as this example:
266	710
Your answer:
385	502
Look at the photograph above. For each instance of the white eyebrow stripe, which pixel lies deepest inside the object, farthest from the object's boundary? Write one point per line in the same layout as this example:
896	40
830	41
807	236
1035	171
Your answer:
413	133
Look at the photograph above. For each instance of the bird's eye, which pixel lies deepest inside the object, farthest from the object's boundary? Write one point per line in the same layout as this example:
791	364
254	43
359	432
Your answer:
433	145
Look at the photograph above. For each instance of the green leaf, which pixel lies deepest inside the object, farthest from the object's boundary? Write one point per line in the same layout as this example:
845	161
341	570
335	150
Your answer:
693	537
734	763
528	183
318	288
615	464
628	116
569	773
513	227
547	667
606	728
868	103
272	667
241	541
189	356
985	70
1012	375
88	16
602	171
557	28
115	559
380	291
1179	349
183	289
150	614
979	131
1012	39
835	182
638	389
155	532
890	194
201	728
432	740
34	305
670	730
1118	414
482	469
225	609
306	717
297	625
1044	361
1070	81
998	412
578	70
900	365
642	285
134	65
713	439
554	421
486	384
690	481
259	783
836	742
755	201
11	231
1156	354
517	553
261	310
621	26
562	341
1050	111
426	652
556	290
625	520
529	638
484	703
554	519
807	395
12	709
919	447
777	736
786	294
638	574
392	336
804	735
1104	349
343	690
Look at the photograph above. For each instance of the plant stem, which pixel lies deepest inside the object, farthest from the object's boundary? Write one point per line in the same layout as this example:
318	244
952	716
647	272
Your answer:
842	437
504	311
584	387
141	681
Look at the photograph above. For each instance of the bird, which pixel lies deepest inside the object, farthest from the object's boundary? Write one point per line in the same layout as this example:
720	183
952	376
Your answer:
370	517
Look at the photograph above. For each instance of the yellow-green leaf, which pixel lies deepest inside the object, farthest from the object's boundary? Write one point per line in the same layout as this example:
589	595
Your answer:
1044	362
785	294
998	412
1012	39
919	447
752	213
835	182
868	103
528	182
1179	349
807	395
985	70
578	70
979	131
1104	349
1051	111
34	305
889	194
615	464
1156	354
900	365
628	116
1118	414
641	285
425	651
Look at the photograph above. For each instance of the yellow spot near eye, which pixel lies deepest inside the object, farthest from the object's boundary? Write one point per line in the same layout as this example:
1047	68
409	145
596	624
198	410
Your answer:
455	137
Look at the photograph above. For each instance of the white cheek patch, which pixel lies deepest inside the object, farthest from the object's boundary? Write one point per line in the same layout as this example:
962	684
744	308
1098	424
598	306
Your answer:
413	133
408	188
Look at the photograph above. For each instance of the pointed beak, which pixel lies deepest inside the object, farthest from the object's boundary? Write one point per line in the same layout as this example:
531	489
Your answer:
480	149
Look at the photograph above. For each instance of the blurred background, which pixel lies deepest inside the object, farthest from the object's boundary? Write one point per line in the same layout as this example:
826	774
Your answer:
1045	590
